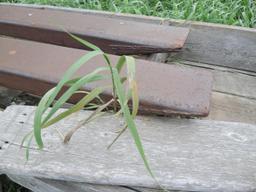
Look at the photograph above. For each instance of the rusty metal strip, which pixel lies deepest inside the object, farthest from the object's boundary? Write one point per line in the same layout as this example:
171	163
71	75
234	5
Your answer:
163	89
112	35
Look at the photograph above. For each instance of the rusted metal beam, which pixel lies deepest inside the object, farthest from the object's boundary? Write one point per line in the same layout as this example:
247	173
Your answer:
114	36
163	89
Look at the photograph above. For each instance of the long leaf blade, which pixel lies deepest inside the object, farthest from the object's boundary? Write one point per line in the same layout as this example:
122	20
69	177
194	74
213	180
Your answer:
129	120
91	77
85	43
38	117
79	106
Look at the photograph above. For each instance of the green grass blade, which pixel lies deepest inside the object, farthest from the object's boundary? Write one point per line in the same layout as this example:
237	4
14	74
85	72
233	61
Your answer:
49	97
129	120
131	69
135	99
79	106
120	63
42	106
85	43
123	79
69	73
72	81
25	138
130	61
91	77
28	146
112	78
38	117
86	92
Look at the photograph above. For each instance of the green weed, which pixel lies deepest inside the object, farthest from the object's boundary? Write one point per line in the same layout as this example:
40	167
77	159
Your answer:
124	89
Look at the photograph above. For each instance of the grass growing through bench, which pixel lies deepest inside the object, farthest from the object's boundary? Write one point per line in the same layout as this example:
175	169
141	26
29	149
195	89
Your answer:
231	12
124	88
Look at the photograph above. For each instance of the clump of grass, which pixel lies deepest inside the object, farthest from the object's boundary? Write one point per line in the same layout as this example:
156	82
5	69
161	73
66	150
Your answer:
123	90
231	12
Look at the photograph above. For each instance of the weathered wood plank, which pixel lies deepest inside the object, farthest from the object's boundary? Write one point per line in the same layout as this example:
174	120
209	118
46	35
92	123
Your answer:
235	83
111	35
228	46
184	154
226	107
24	67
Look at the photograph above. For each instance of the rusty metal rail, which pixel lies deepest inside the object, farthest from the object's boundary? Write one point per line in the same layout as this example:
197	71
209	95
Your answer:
164	89
112	35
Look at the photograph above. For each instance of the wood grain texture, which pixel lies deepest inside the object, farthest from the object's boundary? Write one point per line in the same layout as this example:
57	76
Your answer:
221	45
226	107
192	155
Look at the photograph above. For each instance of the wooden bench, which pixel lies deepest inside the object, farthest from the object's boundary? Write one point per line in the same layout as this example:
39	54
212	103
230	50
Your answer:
216	153
113	35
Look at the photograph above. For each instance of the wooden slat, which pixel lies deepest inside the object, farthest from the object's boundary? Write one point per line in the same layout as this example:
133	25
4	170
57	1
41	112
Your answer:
234	93
228	46
36	67
112	35
226	107
192	155
214	44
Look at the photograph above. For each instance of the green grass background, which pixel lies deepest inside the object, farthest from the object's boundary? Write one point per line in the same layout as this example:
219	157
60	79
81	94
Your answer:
231	12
